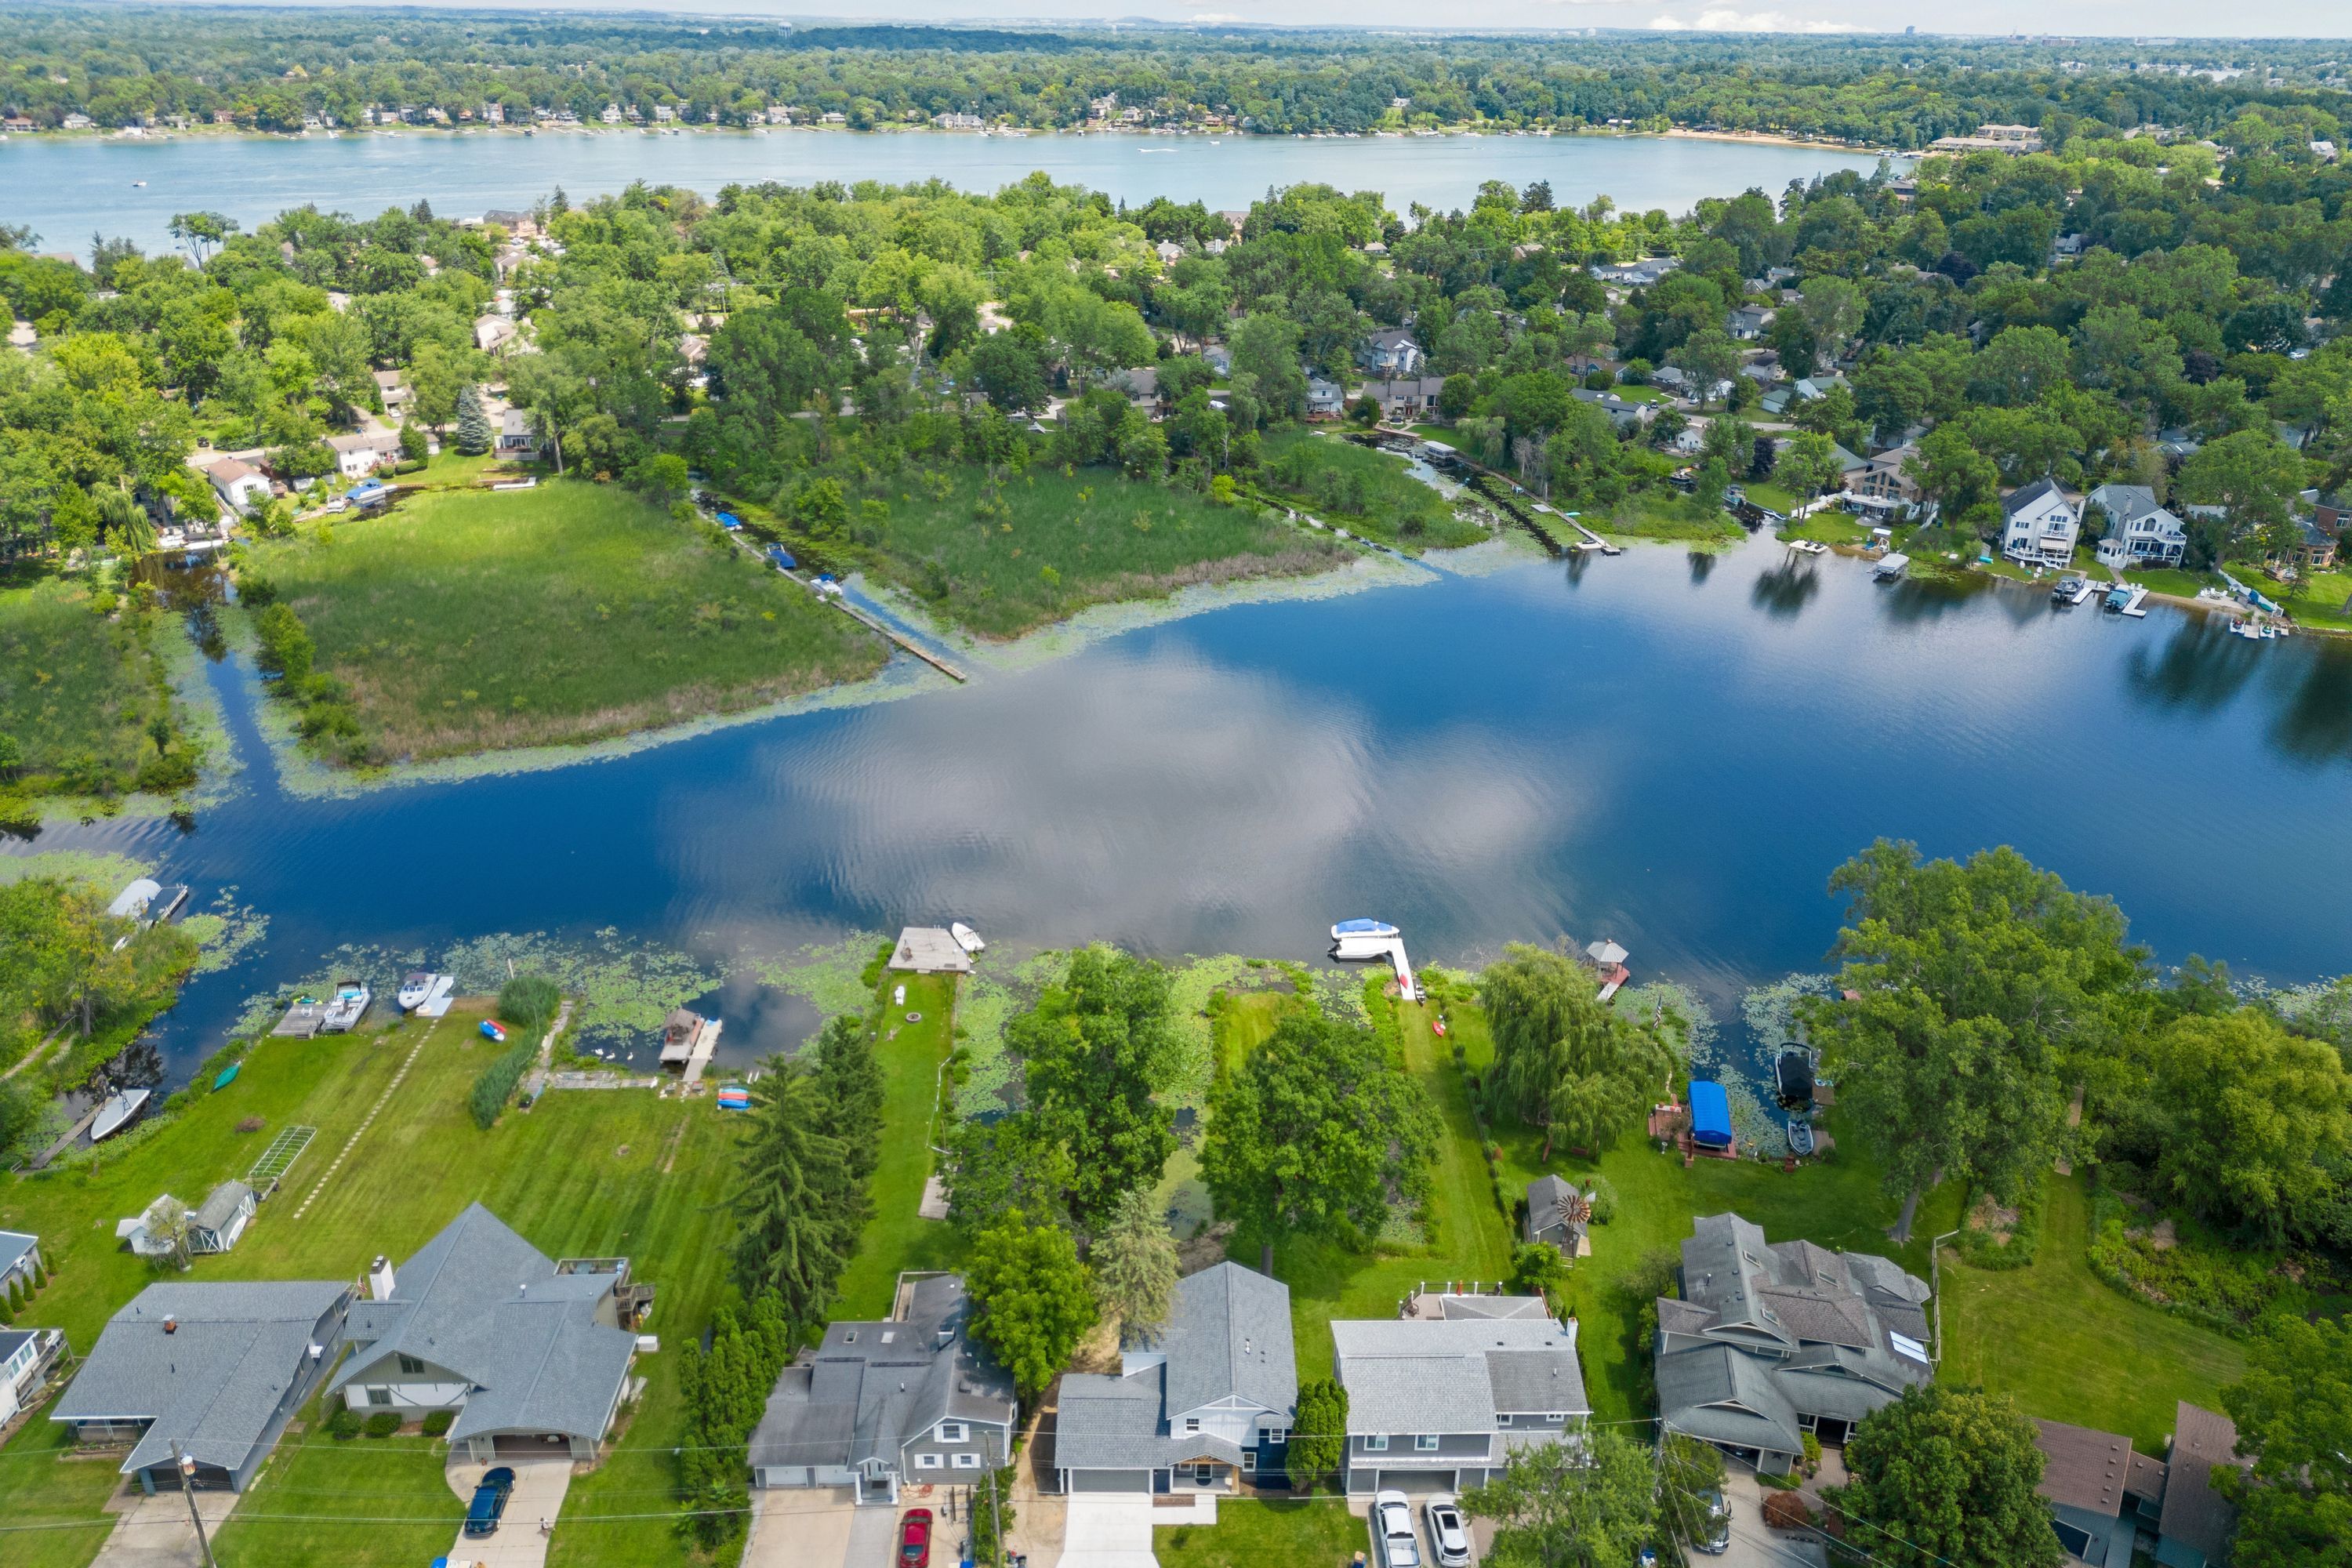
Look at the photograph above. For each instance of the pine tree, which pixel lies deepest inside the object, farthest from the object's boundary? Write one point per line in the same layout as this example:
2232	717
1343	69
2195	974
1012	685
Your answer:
473	423
789	1240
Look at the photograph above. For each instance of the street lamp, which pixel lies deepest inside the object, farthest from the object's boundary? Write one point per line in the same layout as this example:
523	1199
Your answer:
186	1465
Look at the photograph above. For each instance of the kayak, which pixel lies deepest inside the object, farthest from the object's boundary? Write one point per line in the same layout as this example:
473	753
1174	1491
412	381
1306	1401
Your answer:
494	1030
228	1075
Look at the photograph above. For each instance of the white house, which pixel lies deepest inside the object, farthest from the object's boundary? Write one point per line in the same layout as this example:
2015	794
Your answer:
25	1357
2139	531
1391	353
2042	524
363	452
241	487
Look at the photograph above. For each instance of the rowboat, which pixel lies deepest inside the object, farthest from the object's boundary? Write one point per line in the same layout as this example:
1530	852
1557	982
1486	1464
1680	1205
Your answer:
1800	1136
117	1112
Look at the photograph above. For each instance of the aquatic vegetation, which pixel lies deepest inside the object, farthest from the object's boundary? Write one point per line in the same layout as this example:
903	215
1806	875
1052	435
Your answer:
225	933
1770	1011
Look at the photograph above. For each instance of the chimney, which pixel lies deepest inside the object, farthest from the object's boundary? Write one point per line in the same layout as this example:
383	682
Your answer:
380	1280
171	1323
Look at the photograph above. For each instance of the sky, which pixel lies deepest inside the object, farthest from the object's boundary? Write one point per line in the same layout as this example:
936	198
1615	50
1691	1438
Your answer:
2107	18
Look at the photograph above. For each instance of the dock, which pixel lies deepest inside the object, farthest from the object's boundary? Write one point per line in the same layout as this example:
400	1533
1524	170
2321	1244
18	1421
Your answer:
302	1021
706	1043
896	639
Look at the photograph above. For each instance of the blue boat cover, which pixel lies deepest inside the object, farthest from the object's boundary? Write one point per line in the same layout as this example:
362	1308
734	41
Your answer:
1363	926
782	557
1710	1115
728	520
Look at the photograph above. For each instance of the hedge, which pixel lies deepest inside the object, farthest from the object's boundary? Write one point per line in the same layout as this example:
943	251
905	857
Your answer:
496	1084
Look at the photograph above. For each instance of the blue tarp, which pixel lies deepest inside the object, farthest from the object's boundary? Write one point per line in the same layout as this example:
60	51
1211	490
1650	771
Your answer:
782	557
1710	1116
729	520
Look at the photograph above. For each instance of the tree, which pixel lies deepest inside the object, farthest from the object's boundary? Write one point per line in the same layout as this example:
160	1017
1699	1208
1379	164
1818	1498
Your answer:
789	1239
1947	1475
1009	369
2250	473
1710	356
1266	348
474	435
2294	1411
1562	1061
1134	1260
1098	1048
849	1080
1981	992
1690	1476
1537	1269
1808	465
1587	1504
1316	1131
1031	1300
201	233
1318	1439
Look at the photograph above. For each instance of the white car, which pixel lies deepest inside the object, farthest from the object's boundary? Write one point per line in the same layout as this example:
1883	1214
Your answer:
1449	1537
1392	1529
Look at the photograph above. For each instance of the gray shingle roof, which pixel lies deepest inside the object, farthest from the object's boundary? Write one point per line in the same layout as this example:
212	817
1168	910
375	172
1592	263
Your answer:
1228	1336
1723	1395
1439	1376
222	1205
481	1301
2025	496
2194	1513
1110	1423
213	1381
14	1244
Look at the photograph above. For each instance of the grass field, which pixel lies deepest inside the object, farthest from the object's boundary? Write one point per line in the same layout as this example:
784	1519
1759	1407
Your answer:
1829	526
1773	497
896	1237
1065	542
1310	1533
1366	490
2325	600
578	1174
2171	580
1668	516
77	689
473	621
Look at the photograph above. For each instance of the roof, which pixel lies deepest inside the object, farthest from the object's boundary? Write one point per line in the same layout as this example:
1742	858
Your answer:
484	1303
13	1340
930	950
515	422
2025	496
1455	1375
2082	1467
366	441
1723	1394
1228	1336
214	1382
13	1246
2194	1513
222	1205
228	470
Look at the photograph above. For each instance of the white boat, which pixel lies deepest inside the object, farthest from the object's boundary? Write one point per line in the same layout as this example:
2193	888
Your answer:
346	1007
416	990
966	938
1363	938
117	1112
1891	567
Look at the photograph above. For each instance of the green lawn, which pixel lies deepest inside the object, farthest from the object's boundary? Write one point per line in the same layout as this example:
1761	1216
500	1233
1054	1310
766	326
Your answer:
1364	490
581	1173
1665	514
41	1485
77	688
896	1237
1054	543
1311	1532
2072	1349
469	621
1434	432
1830	526
2169	580
2325	600
348	1493
1772	497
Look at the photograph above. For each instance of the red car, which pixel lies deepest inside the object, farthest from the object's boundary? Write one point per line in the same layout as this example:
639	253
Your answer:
915	1539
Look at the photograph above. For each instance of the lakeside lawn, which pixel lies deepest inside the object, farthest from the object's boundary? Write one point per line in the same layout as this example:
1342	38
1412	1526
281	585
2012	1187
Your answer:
1363	490
896	1237
1061	543
2323	600
1663	514
77	689
2071	1348
468	621
2171	580
1829	526
580	1173
1776	498
1252	1532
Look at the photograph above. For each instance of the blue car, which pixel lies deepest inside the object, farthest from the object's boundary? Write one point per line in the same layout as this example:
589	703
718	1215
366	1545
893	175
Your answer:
489	1502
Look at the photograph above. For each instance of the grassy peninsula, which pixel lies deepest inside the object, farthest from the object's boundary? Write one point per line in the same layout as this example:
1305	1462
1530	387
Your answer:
86	703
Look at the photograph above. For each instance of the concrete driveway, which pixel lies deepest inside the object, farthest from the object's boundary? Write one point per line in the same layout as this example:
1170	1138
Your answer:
1106	1531
1753	1545
801	1529
519	1541
155	1532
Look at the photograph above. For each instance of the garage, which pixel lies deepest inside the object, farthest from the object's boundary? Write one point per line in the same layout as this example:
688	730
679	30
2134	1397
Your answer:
530	1445
788	1475
1110	1480
1416	1481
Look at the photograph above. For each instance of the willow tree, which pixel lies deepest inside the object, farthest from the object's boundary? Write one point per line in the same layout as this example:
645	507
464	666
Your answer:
1564	1062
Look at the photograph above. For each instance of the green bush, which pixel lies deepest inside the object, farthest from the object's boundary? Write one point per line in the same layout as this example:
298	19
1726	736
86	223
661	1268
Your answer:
383	1424
2200	1278
1980	1249
344	1423
1604	1200
492	1089
438	1423
529	1001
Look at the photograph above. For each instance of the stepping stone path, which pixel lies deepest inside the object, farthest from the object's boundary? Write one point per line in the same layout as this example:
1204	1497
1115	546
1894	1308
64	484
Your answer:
374	1112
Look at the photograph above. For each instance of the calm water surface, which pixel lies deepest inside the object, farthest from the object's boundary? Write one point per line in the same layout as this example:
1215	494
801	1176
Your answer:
68	188
1672	751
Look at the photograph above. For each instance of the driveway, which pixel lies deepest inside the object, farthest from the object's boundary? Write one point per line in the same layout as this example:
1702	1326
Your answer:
1754	1546
801	1529
1107	1532
519	1541
155	1531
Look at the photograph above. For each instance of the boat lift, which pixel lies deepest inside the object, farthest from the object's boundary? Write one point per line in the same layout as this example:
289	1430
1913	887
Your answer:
1362	940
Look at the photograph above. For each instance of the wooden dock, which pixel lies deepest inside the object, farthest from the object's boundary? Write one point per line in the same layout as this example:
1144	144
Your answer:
841	604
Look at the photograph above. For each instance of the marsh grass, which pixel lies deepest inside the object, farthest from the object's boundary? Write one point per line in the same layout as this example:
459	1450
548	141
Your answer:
77	689
1365	491
475	621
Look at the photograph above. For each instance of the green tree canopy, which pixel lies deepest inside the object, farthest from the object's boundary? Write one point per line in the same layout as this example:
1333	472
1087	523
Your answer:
1134	1260
1944	1476
1589	1504
1098	1046
1563	1061
1031	1299
2294	1411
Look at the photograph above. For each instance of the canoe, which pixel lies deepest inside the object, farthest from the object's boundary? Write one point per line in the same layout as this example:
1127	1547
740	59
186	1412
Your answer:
228	1075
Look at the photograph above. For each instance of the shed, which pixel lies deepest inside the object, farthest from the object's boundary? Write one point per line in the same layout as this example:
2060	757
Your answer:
1710	1115
216	1226
929	950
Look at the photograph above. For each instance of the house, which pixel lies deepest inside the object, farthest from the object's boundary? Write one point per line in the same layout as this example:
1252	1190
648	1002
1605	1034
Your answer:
1325	400
1561	1214
25	1357
2314	549
533	1356
1406	399
1637	274
1391	353
907	1401
1218	357
212	1369
2101	1494
493	333
517	439
1440	1400
2194	1527
1169	252
1139	385
930	950
2139	533
392	391
363	452
20	1261
1769	1342
2040	524
1746	323
1206	1402
1883	478
78	122
1623	415
240	485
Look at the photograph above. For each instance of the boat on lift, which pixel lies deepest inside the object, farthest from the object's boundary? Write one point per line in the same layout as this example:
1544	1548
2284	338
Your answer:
1363	938
416	990
966	938
346	1007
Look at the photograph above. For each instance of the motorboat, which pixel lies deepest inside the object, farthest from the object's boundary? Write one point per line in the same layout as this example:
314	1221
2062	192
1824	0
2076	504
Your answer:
966	938
416	990
1800	1135
1363	938
347	1006
1793	1076
117	1112
2069	590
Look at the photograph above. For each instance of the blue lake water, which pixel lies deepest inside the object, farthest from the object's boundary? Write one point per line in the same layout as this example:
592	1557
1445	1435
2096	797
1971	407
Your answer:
1672	751
67	188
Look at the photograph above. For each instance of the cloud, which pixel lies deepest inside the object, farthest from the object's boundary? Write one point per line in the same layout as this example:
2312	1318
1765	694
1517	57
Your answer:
1723	20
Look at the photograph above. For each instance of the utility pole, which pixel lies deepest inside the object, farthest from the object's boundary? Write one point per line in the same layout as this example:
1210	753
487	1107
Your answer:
187	1467
995	1530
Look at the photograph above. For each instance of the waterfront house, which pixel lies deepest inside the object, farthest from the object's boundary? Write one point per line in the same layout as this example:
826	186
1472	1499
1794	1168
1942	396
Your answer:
1206	1401
533	1356
27	1356
1883	478
20	1261
363	452
2040	524
1390	353
1440	1399
2194	1527
213	1370
2139	531
908	1401
2102	1495
1325	400
516	437
1770	1342
1405	399
240	485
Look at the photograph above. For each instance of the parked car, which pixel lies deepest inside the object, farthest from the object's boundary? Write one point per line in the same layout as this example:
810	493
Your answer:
915	1539
1393	1531
1449	1537
1717	1539
489	1504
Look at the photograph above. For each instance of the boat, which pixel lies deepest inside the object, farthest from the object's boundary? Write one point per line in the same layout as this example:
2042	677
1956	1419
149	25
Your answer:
1793	1076
2069	590
347	1006
1800	1136
1363	938
117	1112
681	1032
416	991
1891	567
228	1075
735	1097
1808	547
494	1031
966	938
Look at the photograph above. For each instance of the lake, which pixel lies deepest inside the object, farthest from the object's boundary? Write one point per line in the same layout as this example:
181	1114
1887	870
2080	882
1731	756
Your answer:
67	188
1672	751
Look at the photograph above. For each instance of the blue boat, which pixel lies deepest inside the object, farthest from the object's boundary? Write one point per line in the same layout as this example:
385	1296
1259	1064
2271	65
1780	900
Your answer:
729	521
228	1076
734	1096
782	557
1710	1116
